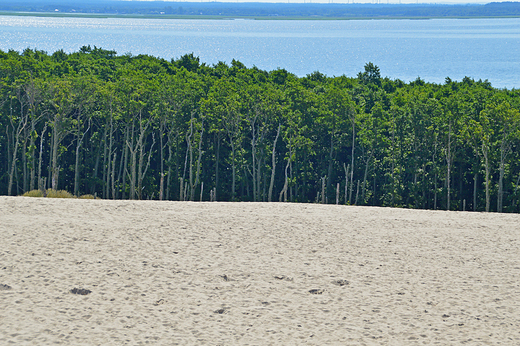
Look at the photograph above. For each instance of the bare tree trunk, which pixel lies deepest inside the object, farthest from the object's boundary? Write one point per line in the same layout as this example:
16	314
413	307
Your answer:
41	158
286	183
259	174
114	176
346	168
14	159
329	171
253	154
448	173
199	162
106	155
133	165
161	148
56	140
168	180
486	166
18	129
141	171
123	164
271	185
233	181
79	140
217	162
435	174
323	184
188	153
32	148
357	193
363	189
33	99
24	161
93	188
504	151
109	155
475	177
352	163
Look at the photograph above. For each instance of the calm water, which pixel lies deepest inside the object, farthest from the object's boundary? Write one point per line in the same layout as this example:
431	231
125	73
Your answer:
404	49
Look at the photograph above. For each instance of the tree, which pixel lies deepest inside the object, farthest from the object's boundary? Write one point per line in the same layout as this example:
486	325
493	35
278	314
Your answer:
371	75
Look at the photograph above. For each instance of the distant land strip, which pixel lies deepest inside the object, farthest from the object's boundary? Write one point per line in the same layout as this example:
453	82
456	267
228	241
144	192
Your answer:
226	10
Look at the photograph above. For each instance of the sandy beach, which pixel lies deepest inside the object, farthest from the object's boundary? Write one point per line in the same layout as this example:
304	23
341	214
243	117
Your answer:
98	272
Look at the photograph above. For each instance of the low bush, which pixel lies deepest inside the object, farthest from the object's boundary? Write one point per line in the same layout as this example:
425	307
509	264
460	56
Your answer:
56	194
33	193
59	194
87	197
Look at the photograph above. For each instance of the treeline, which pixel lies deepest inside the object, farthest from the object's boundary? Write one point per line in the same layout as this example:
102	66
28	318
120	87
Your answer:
141	127
284	10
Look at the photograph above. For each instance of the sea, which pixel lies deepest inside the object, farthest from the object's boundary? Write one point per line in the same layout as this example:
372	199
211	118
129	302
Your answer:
405	49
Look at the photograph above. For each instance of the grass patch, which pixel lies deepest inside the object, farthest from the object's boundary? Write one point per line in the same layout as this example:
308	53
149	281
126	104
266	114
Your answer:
59	194
88	196
50	193
33	193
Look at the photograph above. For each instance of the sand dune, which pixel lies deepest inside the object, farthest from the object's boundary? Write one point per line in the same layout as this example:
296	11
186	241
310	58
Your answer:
167	273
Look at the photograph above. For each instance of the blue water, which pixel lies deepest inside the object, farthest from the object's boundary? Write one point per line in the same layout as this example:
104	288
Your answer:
404	49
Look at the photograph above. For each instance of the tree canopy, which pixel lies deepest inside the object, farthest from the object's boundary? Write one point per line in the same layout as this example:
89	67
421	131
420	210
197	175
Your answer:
141	127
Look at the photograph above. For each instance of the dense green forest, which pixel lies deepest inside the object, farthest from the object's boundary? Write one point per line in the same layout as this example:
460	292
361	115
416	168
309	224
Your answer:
141	127
261	10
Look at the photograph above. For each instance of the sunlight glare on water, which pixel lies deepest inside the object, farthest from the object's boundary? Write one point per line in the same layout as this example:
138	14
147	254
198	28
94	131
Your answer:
403	49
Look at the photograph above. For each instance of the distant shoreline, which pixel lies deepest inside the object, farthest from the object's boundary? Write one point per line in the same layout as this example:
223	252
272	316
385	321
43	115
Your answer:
213	17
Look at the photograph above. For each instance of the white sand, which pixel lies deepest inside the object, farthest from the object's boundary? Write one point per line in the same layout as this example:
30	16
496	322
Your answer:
167	273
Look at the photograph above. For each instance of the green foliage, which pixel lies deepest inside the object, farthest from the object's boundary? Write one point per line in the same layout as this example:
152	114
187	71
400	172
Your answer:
119	127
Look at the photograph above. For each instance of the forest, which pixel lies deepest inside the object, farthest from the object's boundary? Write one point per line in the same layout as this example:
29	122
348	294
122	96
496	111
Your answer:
141	127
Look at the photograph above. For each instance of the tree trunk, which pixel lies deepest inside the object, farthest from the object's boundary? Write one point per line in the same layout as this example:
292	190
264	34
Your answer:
233	164
283	193
79	140
199	162
500	195
123	164
40	187
109	156
55	144
217	162
161	148
475	177
253	155
363	189
352	163
448	173
133	165
329	170
273	168
114	176
346	168
486	167
141	144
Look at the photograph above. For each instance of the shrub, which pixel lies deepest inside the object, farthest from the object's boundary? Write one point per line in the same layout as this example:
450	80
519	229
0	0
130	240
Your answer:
33	193
59	194
56	194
